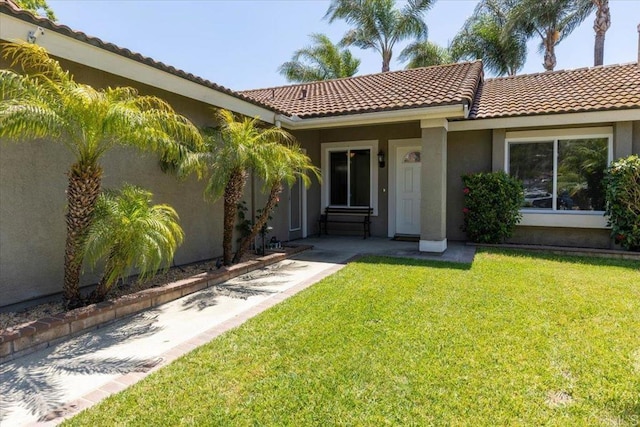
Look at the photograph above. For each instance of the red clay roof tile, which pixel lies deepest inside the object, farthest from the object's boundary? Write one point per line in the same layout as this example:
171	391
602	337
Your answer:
396	90
611	87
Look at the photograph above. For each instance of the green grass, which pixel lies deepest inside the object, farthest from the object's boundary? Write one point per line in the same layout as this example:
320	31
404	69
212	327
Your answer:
515	339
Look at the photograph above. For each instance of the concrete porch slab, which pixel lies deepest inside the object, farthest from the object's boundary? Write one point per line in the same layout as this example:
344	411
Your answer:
349	246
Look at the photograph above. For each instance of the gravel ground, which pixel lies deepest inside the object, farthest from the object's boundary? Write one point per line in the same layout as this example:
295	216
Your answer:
11	319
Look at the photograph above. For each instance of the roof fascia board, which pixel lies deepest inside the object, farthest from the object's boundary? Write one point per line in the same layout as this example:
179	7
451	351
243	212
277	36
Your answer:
547	120
394	116
12	29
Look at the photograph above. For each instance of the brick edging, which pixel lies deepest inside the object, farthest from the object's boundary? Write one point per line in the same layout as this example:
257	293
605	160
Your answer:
42	333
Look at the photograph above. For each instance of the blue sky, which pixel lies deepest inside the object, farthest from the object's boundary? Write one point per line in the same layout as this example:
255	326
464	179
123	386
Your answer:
240	44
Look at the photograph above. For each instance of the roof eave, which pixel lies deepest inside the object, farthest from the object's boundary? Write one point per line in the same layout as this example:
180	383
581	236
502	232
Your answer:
452	111
552	119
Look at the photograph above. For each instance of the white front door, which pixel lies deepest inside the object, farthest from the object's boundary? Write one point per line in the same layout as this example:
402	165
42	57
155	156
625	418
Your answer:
408	168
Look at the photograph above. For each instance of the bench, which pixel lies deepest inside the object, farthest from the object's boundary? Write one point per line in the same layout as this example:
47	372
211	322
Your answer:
346	216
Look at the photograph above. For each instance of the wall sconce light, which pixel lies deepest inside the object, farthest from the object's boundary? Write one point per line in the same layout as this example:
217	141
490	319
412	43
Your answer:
381	158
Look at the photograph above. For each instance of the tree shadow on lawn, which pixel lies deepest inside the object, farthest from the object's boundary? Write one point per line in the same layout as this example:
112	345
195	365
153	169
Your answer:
572	259
35	380
410	261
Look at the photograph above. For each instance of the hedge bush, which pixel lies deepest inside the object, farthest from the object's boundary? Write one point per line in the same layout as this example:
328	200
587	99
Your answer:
623	201
492	203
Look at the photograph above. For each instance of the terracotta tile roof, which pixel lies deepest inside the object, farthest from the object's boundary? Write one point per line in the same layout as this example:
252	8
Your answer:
612	87
396	90
9	8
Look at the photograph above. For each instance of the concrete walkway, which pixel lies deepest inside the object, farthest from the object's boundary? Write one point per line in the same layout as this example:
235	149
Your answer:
45	387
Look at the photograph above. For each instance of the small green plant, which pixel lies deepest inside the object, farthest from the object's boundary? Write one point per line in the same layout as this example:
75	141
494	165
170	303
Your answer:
492	203
623	201
245	224
129	232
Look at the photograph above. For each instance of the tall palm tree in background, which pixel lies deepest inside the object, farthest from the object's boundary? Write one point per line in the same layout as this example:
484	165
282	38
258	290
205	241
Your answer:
281	164
129	232
425	54
483	37
551	20
600	25
45	102
378	25
321	61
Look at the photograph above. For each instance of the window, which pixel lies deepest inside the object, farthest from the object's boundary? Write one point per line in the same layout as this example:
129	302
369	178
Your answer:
350	174
561	173
412	157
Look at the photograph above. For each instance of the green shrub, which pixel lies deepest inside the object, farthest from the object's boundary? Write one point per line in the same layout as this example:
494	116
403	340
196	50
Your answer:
492	203
623	202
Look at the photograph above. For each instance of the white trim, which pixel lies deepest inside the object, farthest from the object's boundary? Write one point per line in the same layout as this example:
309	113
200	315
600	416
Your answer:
300	185
86	54
393	116
305	232
553	217
438	246
563	219
547	120
394	144
327	148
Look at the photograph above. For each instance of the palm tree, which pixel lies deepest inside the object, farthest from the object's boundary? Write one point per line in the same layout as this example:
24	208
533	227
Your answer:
232	150
128	232
321	61
37	7
551	20
483	37
425	54
46	102
282	164
378	25
600	26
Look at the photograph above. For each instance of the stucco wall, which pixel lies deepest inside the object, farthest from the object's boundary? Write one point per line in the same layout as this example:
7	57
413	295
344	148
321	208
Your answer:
636	137
467	152
557	236
32	200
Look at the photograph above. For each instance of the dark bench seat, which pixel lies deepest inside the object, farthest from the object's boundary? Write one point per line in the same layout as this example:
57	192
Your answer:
344	215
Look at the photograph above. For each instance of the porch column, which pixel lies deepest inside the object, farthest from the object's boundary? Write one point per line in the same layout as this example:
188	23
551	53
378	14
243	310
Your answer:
433	206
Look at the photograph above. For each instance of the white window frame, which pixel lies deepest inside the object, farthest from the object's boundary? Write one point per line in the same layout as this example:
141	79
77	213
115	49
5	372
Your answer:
328	148
552	217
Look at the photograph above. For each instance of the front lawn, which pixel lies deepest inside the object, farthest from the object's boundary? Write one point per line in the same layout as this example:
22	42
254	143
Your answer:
516	339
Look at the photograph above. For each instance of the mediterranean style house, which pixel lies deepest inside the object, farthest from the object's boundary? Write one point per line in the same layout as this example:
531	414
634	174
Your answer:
397	142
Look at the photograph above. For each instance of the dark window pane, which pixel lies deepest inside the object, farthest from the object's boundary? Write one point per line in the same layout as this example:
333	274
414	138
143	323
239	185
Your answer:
581	165
338	178
360	177
533	164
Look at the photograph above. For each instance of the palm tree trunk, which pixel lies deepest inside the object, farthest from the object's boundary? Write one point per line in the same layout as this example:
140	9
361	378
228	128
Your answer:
82	192
100	292
260	221
232	196
600	26
386	60
550	50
